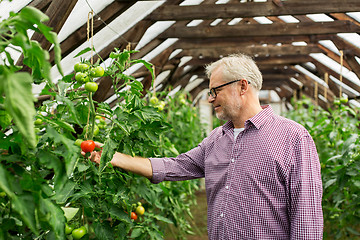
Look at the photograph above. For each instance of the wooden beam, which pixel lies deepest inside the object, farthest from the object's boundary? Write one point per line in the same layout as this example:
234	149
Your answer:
268	50
345	80
188	43
78	37
253	9
42	5
252	30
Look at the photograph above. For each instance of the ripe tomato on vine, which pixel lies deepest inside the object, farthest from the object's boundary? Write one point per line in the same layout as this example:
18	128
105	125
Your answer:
87	146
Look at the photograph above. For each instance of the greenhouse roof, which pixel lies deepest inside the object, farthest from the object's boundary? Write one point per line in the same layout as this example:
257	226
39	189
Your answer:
309	47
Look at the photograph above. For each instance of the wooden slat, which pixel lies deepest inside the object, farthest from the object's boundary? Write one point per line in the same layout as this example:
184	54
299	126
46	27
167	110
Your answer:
80	35
188	43
272	50
275	29
253	9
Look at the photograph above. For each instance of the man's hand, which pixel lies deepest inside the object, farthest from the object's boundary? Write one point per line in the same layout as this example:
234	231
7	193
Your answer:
138	165
95	155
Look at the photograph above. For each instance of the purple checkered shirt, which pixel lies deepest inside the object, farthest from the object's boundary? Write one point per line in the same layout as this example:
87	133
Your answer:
264	185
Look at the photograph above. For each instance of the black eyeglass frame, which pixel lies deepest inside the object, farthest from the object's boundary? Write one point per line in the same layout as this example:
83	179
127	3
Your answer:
213	93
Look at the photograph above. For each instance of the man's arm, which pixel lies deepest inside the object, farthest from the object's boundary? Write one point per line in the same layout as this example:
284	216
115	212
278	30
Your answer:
137	165
306	214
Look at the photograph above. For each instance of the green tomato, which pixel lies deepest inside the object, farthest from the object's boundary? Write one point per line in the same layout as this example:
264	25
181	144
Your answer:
38	121
78	142
160	107
154	100
79	232
68	229
77	67
91	86
81	77
2	194
96	129
140	210
97	71
182	101
84	67
344	99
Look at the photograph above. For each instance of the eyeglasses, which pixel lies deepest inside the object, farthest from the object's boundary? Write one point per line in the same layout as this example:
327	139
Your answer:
212	91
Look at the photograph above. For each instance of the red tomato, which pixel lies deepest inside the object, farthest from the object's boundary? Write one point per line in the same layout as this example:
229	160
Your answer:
88	146
133	216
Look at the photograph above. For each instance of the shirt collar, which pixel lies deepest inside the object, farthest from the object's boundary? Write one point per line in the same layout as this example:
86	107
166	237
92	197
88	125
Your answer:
257	120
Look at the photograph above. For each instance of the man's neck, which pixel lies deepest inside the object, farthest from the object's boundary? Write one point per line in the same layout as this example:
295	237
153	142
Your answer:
248	111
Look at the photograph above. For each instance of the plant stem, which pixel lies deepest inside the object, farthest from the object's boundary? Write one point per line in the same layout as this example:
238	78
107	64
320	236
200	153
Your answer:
92	115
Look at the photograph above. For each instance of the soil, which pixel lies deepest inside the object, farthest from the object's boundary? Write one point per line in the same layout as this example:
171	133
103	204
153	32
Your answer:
199	223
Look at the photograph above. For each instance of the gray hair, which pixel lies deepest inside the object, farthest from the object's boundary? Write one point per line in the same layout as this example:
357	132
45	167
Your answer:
237	66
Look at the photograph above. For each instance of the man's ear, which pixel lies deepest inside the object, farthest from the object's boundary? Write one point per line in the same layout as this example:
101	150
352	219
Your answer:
244	86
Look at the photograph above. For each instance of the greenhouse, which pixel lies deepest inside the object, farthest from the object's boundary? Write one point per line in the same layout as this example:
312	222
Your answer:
181	119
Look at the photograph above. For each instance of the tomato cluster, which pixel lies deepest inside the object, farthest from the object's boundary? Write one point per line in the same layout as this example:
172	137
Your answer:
76	233
85	74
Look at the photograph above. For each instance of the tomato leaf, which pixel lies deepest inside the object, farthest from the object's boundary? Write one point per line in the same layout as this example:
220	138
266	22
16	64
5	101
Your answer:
69	212
62	196
136	232
104	231
72	151
33	15
107	153
23	204
83	52
57	223
71	107
19	102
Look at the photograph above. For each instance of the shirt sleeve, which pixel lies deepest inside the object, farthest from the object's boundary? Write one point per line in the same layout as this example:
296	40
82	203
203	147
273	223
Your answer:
186	166
305	210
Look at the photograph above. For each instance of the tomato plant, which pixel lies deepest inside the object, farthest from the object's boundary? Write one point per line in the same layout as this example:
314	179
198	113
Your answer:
43	174
336	135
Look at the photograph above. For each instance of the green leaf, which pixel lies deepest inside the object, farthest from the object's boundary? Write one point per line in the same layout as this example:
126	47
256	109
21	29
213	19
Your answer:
69	212
83	52
103	231
22	204
107	153
136	232
57	223
34	15
19	102
119	213
71	155
148	65
71	107
329	183
62	196
163	219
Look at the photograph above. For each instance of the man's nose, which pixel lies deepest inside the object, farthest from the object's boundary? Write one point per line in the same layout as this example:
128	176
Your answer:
211	99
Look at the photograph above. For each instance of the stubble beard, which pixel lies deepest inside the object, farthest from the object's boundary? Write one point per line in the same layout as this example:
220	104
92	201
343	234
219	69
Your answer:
228	112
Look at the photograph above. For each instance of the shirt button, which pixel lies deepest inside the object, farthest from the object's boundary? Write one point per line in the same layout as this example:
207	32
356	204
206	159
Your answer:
222	214
232	160
227	187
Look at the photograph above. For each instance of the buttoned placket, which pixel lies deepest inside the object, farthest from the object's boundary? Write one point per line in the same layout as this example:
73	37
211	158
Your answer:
231	169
